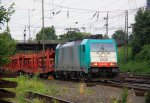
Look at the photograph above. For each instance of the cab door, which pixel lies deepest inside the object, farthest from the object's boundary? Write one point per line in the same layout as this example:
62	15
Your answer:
83	57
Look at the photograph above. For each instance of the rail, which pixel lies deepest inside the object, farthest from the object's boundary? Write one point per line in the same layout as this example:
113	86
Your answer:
48	98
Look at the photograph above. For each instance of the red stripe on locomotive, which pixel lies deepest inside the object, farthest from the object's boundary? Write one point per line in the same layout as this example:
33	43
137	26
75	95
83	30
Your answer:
104	64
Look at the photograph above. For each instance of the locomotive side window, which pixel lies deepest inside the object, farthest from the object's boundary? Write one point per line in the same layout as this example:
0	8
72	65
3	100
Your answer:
83	48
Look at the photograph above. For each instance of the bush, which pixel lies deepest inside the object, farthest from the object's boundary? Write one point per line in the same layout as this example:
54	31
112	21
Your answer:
121	54
7	47
144	54
139	65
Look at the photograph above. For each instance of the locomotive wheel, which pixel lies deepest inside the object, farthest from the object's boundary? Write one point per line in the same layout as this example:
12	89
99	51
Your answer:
67	76
61	75
88	77
58	75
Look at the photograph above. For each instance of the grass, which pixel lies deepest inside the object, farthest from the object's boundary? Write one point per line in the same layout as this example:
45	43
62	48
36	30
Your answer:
53	89
136	67
26	83
123	98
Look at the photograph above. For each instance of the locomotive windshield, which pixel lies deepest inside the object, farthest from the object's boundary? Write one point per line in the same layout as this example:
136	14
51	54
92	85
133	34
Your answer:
102	47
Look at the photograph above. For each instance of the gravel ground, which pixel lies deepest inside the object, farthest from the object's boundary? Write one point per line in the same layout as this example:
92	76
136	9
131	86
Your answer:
97	94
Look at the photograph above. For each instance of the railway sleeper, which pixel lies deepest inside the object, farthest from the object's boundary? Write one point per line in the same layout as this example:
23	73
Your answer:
49	99
4	101
6	94
140	93
7	84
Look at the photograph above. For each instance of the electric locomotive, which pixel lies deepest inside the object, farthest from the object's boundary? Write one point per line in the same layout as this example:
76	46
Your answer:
87	58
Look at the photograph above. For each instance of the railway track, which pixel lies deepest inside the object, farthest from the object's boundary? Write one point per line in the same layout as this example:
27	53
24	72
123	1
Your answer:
46	98
6	84
140	84
138	89
134	77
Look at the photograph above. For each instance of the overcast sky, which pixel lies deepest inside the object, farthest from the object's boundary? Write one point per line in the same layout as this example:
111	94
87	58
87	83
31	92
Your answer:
88	14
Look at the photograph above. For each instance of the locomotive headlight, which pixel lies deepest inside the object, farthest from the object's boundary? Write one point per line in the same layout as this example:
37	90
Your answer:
95	64
112	64
103	54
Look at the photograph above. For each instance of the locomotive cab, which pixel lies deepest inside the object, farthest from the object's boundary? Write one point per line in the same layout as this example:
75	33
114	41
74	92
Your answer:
103	58
99	58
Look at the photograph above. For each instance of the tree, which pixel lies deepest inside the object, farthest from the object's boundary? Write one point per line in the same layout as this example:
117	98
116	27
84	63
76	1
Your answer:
71	35
5	14
119	36
7	47
141	31
7	44
49	34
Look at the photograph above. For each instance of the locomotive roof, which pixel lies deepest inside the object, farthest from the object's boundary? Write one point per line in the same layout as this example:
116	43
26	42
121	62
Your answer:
67	44
84	41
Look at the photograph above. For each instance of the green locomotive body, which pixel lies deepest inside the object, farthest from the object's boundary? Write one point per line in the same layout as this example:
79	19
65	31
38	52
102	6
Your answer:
86	58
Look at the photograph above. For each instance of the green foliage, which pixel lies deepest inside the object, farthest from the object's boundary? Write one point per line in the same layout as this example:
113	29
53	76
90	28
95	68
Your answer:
147	100
139	65
136	67
5	14
121	54
27	84
7	47
71	35
10	11
124	95
115	100
49	34
144	54
7	44
119	36
141	31
53	90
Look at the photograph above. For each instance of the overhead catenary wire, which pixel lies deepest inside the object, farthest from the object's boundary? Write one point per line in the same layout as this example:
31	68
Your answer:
135	3
90	11
86	21
129	4
85	12
7	3
20	6
111	17
109	4
83	9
